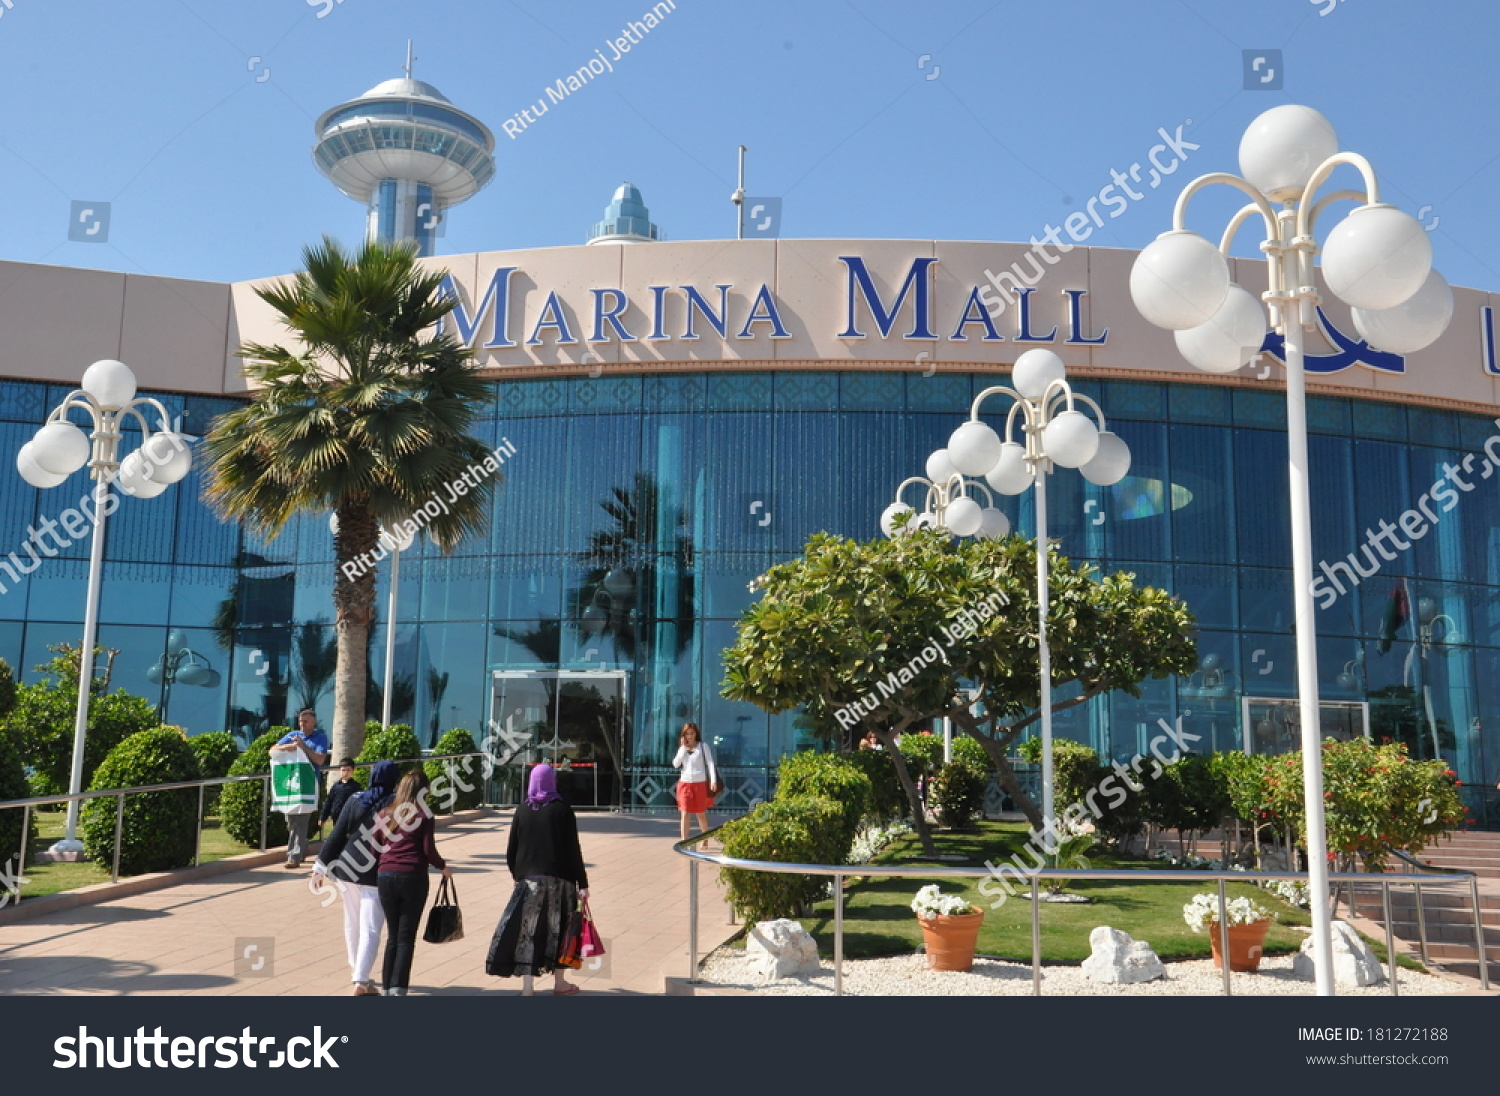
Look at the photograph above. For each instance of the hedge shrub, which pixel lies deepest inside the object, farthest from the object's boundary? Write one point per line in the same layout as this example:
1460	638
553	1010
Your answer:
801	829
216	751
393	743
240	804
828	776
160	828
969	753
888	798
466	771
923	753
13	785
956	793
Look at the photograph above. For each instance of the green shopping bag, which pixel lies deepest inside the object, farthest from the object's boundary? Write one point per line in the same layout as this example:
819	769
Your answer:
294	785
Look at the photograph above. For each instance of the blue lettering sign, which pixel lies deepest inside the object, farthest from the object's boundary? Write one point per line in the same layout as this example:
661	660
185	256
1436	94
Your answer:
918	284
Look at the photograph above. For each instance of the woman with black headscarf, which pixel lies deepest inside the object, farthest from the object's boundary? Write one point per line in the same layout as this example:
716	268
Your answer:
547	864
351	855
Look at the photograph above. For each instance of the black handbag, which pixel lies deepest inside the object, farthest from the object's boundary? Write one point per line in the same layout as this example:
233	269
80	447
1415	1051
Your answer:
445	921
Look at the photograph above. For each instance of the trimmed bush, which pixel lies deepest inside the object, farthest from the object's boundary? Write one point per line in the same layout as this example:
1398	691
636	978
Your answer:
800	830
468	771
828	776
395	743
215	751
13	785
888	798
160	828
969	753
241	804
956	793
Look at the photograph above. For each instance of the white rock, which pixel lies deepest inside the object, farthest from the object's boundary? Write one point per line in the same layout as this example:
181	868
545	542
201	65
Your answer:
1354	964
1118	957
777	949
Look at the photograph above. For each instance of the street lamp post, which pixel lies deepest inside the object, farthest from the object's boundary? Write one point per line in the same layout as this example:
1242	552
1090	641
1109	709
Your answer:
60	448
1055	432
179	663
1379	261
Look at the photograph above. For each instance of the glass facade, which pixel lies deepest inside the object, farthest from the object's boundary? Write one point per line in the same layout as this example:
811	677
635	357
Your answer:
636	510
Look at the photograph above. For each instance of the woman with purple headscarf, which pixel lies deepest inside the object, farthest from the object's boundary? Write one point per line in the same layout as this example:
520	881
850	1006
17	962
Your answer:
547	864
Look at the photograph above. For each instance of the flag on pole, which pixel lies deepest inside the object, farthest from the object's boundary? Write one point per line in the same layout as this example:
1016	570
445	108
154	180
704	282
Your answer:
294	784
1397	613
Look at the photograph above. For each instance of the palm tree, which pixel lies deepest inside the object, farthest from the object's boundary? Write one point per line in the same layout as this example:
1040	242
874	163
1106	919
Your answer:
369	419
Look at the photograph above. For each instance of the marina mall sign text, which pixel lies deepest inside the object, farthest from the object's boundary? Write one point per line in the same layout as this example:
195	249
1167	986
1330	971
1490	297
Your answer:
893	304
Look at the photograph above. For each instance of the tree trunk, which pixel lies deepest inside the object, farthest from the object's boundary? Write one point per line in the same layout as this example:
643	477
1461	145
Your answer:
918	810
1005	774
355	550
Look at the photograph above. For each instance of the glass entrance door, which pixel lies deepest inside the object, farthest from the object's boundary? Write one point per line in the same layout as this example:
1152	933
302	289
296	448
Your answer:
575	720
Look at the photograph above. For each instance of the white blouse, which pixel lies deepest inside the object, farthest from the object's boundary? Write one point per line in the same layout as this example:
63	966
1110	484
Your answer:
697	764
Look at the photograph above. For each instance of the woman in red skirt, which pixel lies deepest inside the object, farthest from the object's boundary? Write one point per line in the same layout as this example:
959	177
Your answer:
700	778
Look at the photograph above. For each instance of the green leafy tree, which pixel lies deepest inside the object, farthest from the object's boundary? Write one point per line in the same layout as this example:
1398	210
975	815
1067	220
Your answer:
368	417
847	618
40	723
13	785
398	742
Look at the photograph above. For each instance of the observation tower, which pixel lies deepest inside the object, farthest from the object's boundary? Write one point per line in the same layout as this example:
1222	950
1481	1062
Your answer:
406	152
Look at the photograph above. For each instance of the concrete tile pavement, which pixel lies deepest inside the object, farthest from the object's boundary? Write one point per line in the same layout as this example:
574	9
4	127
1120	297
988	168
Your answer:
183	940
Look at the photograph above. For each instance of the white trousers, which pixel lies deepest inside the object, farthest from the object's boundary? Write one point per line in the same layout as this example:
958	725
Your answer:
363	920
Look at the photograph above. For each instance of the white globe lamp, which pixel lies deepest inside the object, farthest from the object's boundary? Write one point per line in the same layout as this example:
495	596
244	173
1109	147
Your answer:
1110	463
1011	474
1230	339
1179	280
974	448
60	448
963	517
1412	325
32	472
1035	370
1071	439
1377	257
1283	147
110	382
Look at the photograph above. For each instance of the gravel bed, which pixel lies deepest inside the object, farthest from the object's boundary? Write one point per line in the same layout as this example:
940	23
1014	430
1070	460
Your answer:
908	976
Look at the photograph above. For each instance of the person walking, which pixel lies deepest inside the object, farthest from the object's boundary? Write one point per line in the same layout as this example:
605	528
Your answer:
306	746
407	828
351	857
700	777
546	862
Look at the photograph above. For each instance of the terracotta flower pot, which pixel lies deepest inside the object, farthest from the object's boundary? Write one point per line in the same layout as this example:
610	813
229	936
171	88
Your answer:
1245	945
950	939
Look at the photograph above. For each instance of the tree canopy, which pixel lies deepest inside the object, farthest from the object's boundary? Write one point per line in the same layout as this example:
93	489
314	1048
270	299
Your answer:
893	633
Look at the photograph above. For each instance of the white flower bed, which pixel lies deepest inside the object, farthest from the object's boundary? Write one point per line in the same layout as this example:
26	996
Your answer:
931	902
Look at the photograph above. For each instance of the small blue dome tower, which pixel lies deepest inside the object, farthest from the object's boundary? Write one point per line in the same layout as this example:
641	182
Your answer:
626	220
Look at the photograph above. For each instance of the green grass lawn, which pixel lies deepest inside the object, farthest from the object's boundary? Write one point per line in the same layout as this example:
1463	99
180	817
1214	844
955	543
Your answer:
878	919
45	877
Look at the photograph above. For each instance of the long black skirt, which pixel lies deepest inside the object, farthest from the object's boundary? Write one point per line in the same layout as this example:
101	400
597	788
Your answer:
531	928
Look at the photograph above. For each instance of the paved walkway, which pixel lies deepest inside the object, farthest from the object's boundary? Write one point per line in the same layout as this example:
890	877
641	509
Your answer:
184	940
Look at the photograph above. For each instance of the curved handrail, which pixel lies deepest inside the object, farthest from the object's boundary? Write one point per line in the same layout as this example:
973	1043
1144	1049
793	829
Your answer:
839	872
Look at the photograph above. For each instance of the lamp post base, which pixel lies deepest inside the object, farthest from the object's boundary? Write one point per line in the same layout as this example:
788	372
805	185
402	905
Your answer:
64	849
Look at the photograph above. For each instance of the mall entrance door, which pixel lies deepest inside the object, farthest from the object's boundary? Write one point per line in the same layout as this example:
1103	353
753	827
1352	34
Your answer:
576	720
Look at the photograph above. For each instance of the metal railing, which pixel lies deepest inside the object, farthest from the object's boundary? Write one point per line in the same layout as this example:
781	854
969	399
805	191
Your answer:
26	807
841	872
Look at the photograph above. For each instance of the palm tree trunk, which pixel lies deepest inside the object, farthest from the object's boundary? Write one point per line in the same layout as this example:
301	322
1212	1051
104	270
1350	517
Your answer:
355	549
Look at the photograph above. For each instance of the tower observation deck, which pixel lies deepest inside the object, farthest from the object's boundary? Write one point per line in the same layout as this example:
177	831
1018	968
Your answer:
406	152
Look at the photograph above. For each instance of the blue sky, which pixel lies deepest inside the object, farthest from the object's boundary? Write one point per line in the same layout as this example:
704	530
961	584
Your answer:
948	119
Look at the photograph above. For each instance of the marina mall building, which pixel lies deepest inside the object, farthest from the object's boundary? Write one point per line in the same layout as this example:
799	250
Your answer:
677	416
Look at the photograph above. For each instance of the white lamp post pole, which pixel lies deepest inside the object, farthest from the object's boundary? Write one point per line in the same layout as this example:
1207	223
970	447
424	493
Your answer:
58	450
1379	261
1056	433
